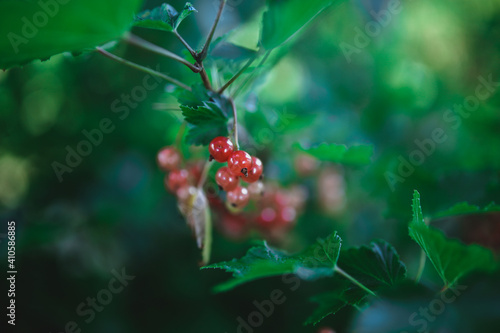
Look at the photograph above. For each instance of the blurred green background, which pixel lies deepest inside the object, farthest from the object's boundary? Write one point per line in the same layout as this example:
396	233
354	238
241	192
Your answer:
112	211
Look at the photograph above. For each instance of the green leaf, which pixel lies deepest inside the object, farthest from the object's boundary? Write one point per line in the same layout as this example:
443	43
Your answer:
207	114
354	155
284	18
451	258
164	17
75	26
186	11
160	18
317	261
464	208
202	115
375	266
194	98
206	122
330	303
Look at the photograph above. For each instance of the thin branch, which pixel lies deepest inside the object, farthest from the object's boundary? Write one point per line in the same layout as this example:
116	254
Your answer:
203	54
142	68
137	41
241	71
205	79
353	280
235	124
188	47
252	75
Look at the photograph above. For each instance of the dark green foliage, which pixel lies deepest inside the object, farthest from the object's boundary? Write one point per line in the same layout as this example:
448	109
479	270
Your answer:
451	258
164	17
75	26
316	261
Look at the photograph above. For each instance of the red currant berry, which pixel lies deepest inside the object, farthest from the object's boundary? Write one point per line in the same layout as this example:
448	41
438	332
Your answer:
168	159
176	179
255	171
238	198
220	148
239	163
225	179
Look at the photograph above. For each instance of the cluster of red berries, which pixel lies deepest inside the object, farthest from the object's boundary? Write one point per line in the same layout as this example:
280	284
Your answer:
276	212
239	165
178	180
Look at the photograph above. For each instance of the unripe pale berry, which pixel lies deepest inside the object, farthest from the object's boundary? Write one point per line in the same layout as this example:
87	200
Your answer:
286	215
168	158
220	148
176	179
305	164
239	163
255	171
238	198
184	193
256	190
225	179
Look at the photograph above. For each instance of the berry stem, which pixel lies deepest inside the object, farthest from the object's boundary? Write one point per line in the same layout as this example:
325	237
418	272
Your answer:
235	124
353	280
207	240
142	68
241	71
204	174
137	41
204	52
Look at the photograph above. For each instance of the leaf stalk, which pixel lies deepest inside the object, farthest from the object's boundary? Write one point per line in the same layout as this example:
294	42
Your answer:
142	68
353	280
137	41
